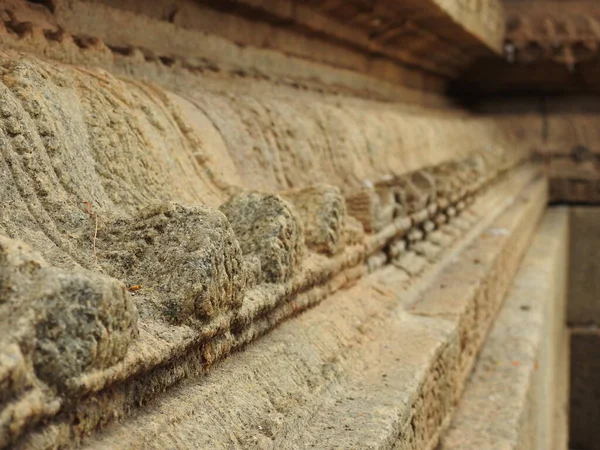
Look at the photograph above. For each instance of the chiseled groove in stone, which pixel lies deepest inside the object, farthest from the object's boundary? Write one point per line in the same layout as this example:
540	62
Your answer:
322	378
527	340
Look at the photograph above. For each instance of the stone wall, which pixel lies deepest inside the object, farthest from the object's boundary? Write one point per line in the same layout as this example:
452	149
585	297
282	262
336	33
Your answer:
584	319
179	179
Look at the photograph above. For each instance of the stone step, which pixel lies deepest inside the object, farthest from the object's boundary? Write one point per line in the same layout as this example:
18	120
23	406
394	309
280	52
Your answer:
517	395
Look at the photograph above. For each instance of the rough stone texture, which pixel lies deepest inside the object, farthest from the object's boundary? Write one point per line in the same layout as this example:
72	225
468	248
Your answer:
149	350
322	209
269	228
335	376
188	255
76	197
516	397
81	320
86	322
115	164
56	326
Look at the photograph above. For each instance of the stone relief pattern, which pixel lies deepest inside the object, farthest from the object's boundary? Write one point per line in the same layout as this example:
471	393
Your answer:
137	249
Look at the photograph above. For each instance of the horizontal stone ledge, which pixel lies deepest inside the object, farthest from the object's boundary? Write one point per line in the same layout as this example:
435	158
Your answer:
83	215
207	43
517	394
153	365
378	364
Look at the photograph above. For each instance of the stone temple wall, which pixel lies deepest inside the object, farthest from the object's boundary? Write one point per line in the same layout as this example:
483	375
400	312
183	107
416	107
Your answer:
178	179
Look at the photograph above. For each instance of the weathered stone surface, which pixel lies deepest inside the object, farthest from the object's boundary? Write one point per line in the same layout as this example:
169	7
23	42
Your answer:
189	255
86	322
521	377
117	161
322	209
268	227
56	325
352	384
76	321
203	285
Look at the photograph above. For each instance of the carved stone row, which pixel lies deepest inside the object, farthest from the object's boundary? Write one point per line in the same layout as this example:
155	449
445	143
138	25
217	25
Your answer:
558	33
89	166
198	267
57	33
419	195
383	28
